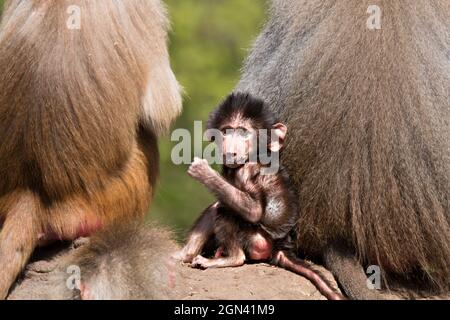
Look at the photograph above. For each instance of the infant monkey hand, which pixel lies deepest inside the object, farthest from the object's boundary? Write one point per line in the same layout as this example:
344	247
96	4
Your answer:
200	170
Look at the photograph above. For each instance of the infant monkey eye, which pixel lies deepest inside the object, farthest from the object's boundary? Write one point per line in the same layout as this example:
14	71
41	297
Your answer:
227	131
243	133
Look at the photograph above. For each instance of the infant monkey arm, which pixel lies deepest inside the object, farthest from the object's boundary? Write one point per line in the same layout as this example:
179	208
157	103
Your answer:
246	206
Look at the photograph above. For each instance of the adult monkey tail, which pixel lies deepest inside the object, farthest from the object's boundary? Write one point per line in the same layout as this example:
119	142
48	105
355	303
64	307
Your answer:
369	114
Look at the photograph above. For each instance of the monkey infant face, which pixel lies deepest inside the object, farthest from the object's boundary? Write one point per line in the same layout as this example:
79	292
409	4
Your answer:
239	141
244	130
241	138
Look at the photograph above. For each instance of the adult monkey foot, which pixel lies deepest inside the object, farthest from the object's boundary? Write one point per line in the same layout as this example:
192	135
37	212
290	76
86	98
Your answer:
350	275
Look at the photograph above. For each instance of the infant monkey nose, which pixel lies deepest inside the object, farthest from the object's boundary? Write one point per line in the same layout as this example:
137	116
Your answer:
231	155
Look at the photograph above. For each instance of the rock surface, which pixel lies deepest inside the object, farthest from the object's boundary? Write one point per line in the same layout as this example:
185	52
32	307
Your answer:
45	278
251	281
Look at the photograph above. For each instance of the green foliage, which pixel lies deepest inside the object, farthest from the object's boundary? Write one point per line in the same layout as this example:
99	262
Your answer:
209	41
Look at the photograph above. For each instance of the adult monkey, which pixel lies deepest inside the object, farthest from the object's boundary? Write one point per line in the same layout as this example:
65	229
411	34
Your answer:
81	105
369	116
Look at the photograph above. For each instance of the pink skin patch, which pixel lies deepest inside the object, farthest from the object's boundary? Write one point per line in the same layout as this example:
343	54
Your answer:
219	253
87	228
171	274
84	292
84	229
261	248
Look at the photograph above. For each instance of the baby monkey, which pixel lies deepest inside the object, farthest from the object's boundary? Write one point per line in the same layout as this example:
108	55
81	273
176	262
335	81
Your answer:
257	209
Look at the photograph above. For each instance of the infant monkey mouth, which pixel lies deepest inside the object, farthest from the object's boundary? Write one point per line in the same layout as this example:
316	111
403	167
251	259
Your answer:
235	164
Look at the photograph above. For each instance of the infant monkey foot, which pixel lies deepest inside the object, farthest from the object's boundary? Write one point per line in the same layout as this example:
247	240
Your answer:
182	256
232	261
201	262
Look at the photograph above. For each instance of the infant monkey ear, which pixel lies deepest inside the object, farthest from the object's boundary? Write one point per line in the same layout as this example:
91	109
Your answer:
277	136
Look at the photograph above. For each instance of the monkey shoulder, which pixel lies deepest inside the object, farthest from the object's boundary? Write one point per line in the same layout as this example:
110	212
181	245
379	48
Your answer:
281	209
278	186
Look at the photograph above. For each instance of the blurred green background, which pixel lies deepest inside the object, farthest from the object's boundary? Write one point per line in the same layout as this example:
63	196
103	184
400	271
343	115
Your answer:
208	43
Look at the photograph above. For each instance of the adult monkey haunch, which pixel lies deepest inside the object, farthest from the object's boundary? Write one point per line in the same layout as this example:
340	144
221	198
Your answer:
369	114
80	110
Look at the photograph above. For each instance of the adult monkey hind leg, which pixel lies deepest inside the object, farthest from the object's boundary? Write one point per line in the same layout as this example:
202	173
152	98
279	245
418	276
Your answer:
350	275
18	238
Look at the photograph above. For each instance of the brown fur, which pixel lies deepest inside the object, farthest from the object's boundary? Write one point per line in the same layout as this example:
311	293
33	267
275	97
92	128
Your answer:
127	261
368	112
77	108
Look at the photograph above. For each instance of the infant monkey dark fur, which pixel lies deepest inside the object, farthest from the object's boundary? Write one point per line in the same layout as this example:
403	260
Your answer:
256	211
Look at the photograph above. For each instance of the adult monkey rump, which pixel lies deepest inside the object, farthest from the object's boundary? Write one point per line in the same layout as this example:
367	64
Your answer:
369	149
80	110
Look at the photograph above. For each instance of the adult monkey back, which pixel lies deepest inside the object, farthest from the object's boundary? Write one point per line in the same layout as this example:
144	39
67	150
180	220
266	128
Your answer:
80	110
369	116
